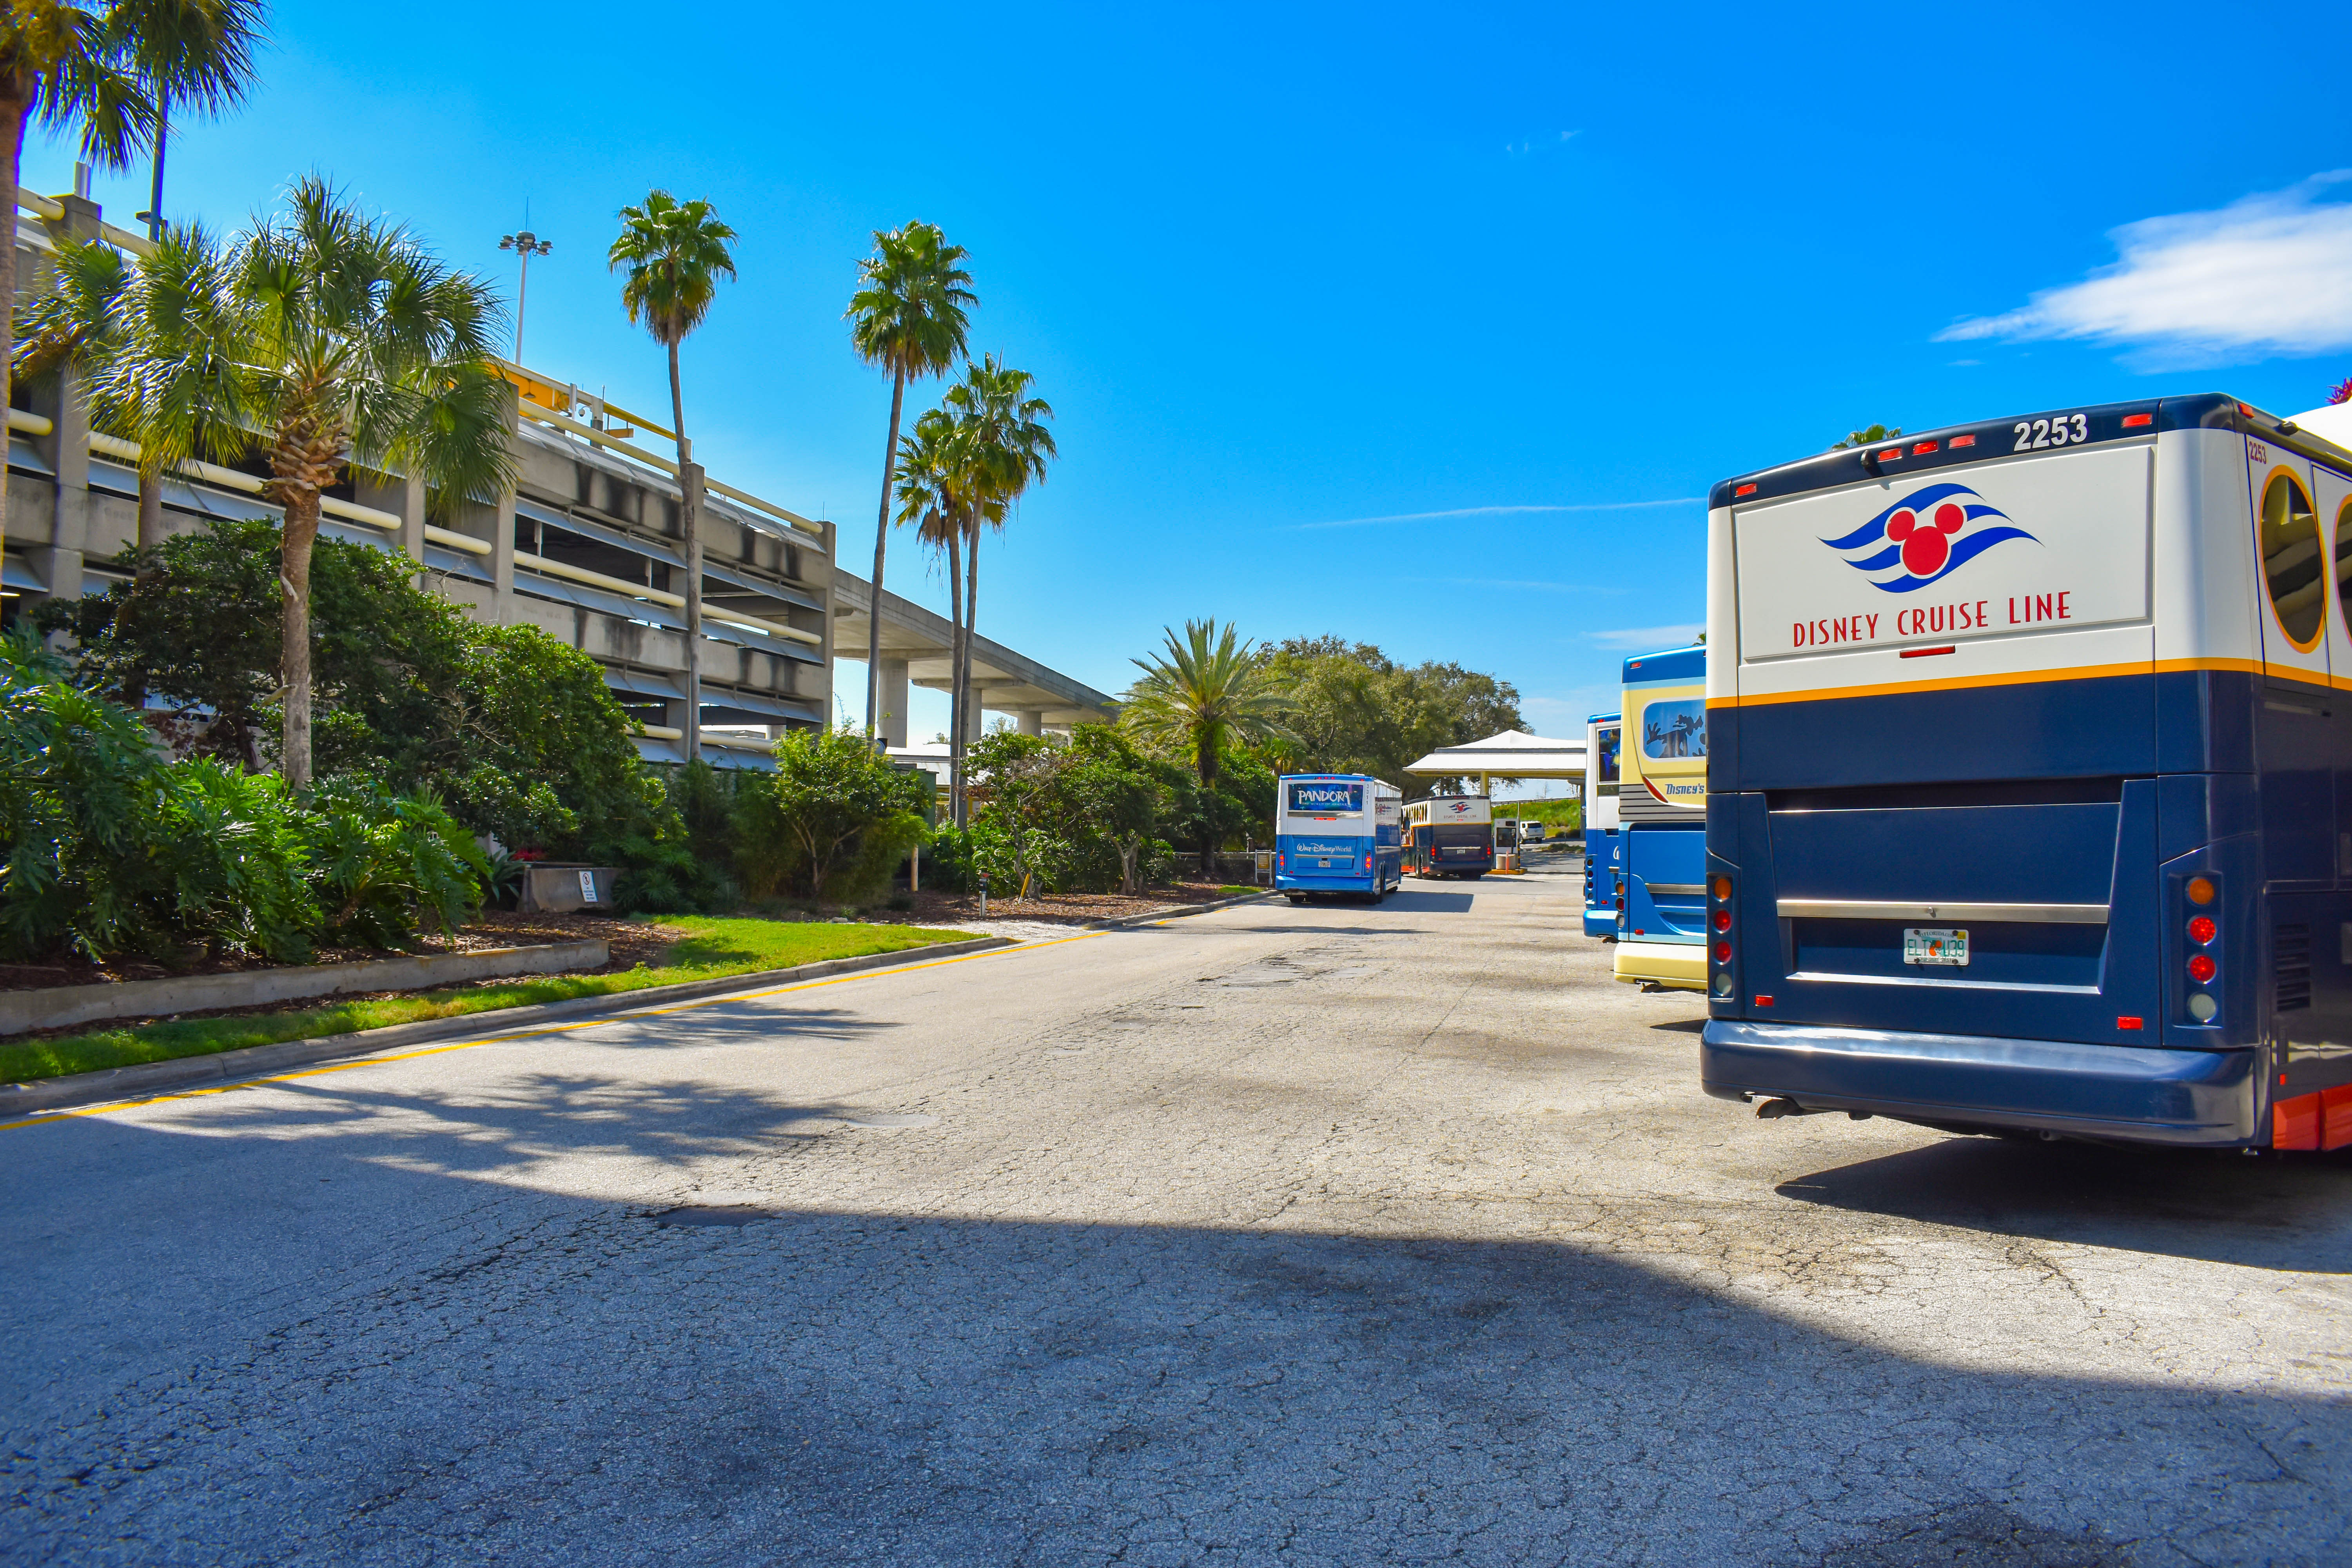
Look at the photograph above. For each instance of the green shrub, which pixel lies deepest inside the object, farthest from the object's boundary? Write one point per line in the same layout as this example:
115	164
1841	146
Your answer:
385	863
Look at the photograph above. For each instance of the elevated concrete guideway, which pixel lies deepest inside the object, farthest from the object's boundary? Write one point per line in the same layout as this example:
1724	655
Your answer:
915	652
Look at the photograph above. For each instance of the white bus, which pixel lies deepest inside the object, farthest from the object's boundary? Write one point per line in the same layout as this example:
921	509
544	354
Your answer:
1450	836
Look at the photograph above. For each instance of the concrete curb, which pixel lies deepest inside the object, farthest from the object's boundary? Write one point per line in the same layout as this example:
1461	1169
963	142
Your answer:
62	1006
81	1088
1115	921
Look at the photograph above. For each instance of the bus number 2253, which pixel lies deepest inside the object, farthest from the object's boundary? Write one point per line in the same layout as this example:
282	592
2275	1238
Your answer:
2032	435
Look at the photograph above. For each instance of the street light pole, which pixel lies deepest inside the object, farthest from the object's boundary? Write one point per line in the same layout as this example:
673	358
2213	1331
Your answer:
526	244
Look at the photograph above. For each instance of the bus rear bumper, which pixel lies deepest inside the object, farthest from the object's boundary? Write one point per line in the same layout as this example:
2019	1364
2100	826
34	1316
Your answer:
2136	1093
1676	965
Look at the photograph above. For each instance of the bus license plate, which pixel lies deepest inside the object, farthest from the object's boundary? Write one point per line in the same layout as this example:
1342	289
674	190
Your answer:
1930	945
1324	863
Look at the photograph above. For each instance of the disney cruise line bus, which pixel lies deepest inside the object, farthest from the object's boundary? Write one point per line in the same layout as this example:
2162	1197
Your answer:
1604	847
1662	909
1337	834
1450	836
2030	779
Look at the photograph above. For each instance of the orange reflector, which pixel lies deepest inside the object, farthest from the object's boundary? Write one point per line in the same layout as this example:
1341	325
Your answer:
2295	1124
2246	411
2128	1022
2200	890
1890	452
1922	448
1763	1001
1722	887
1743	490
1963	441
2336	1116
2134	421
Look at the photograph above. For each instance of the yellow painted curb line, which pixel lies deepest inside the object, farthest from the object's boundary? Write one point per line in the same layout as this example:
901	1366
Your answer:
49	1117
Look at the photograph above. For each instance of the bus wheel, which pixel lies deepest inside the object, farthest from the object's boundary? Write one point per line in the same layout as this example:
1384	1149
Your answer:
1296	900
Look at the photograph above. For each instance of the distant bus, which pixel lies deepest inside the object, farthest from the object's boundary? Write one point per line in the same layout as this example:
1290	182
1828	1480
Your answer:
1449	835
1604	846
2030	809
1662	807
1337	834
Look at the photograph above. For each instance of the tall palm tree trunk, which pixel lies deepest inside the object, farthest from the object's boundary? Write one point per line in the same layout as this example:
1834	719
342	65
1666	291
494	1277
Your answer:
955	697
881	538
970	622
294	656
689	528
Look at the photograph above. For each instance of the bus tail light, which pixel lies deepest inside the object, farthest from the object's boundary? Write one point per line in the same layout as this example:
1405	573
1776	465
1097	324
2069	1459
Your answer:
2203	894
1723	984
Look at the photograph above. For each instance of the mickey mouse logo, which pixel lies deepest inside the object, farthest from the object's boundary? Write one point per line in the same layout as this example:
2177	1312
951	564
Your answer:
1931	533
1925	547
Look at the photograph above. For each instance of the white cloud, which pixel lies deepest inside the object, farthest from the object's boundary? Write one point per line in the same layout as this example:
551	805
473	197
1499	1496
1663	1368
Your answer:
2269	273
1633	639
1500	512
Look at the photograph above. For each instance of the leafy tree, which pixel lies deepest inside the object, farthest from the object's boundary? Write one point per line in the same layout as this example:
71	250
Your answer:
1209	692
1870	436
823	812
517	732
908	317
1358	710
1110	791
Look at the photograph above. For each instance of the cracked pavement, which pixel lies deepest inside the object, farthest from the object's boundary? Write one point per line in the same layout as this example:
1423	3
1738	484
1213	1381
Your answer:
1335	1234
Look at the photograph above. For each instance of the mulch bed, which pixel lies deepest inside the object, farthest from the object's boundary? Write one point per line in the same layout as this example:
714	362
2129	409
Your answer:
631	943
1060	909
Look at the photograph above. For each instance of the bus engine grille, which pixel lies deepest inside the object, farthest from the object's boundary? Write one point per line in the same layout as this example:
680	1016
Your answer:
2290	964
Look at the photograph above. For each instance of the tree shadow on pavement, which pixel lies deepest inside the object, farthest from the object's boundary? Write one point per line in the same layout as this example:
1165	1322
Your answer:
555	1379
2274	1211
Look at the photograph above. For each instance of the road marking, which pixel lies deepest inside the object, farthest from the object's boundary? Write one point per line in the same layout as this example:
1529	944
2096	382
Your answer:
47	1117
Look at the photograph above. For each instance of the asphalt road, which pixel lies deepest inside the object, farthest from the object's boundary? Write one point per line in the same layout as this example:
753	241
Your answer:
1324	1235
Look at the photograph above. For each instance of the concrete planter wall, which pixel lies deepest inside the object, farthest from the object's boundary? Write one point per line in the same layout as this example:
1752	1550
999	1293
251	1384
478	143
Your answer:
62	1006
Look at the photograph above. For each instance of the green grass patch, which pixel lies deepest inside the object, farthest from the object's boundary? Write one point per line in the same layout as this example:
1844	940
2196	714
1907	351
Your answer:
1236	889
713	949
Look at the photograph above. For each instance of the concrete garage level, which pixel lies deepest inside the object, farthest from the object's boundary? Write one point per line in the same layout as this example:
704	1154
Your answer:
1327	1235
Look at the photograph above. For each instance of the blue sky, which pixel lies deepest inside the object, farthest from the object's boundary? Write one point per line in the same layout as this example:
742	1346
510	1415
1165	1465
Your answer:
1424	326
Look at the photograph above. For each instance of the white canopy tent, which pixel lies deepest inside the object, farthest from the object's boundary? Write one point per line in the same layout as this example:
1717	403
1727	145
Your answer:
1509	756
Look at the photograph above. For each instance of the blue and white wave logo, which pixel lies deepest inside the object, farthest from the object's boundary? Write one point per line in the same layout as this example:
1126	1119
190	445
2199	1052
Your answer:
1929	534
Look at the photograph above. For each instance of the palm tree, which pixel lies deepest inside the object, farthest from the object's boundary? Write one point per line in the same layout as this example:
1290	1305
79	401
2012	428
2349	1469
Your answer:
934	494
676	253
1007	447
329	340
908	315
190	54
108	72
1210	691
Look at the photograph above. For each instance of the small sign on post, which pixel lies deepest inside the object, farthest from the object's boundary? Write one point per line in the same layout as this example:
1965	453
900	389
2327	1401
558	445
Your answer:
984	895
587	887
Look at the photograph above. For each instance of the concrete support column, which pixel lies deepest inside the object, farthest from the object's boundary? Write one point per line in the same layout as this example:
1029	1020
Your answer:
894	700
1033	720
405	499
59	564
